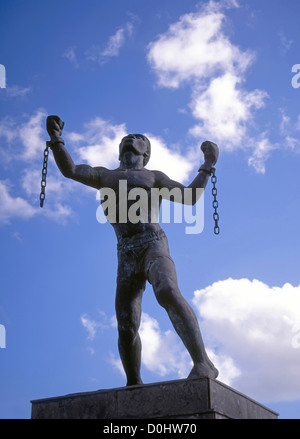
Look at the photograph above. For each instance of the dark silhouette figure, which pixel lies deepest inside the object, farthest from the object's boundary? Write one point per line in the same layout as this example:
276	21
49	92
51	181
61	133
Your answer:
143	252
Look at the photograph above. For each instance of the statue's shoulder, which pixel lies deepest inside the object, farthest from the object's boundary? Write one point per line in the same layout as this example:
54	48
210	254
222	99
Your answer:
101	170
159	176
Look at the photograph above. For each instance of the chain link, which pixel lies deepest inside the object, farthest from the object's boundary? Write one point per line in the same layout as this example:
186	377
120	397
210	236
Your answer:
215	202
44	173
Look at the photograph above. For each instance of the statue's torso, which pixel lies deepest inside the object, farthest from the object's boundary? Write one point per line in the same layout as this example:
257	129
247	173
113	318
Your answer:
132	189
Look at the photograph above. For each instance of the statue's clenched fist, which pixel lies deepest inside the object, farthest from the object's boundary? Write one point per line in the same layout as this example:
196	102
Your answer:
54	126
211	152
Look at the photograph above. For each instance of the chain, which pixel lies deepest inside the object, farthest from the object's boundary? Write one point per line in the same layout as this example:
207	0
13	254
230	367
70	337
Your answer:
44	173
215	202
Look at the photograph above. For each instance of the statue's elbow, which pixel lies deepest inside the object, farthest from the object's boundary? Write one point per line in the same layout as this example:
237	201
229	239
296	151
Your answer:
68	172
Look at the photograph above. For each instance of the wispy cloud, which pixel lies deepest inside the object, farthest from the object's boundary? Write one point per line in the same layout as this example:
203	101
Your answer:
12	207
261	151
90	325
285	42
289	131
71	55
101	53
116	41
93	326
14	91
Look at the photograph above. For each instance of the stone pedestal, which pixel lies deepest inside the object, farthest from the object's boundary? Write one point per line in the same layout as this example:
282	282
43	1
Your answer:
202	398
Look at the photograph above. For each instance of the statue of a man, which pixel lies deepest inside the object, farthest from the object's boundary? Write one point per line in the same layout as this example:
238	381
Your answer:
143	252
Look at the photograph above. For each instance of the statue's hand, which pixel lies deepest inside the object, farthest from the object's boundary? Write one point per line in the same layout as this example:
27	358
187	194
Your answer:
211	152
54	126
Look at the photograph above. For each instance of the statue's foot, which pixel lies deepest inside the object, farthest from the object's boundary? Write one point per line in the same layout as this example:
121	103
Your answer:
134	382
204	370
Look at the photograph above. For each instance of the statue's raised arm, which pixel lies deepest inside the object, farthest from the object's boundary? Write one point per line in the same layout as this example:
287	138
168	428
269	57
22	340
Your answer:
211	153
83	173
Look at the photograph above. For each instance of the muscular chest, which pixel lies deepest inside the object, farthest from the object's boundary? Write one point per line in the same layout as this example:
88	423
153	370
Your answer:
126	196
125	181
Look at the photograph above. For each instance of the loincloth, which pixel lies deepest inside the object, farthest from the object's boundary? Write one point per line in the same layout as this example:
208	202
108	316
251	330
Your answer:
137	253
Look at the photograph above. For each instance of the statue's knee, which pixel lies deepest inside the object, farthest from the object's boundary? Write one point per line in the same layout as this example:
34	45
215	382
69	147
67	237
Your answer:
127	331
165	292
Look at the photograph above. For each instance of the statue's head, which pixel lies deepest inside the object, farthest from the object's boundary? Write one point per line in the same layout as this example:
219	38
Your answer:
137	143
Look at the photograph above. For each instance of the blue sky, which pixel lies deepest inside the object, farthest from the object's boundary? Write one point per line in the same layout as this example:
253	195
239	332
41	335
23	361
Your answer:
180	72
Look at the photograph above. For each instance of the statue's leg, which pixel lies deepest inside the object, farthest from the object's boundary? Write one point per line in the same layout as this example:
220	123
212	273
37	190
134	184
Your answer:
128	312
162	276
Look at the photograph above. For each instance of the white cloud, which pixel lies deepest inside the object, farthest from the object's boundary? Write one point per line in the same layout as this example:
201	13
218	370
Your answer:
58	212
292	143
30	135
169	160
261	150
196	51
90	325
251	332
163	352
288	129
25	143
18	207
58	187
117	364
116	41
224	110
97	144
14	91
285	123
255	326
228	370
112	46
70	55
101	148
11	207
101	142
8	129
285	42
195	47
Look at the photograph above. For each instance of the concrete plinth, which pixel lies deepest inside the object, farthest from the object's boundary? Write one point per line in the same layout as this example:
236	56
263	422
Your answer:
202	398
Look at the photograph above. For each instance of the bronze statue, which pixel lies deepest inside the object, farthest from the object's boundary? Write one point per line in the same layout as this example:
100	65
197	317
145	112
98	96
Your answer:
143	252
